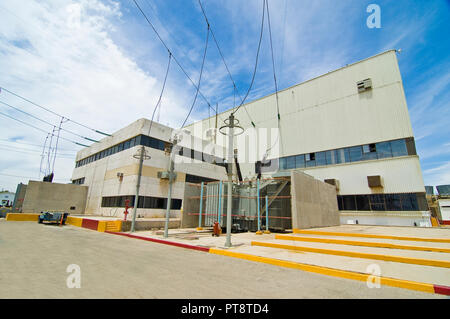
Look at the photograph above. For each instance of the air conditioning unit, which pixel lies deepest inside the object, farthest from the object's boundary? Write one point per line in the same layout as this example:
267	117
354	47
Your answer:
374	181
163	175
364	85
333	182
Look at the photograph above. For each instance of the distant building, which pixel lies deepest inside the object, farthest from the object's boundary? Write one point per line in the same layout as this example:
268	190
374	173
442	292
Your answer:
429	190
6	198
443	190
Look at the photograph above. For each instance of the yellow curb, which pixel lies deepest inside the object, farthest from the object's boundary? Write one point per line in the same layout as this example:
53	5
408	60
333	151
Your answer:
314	232
361	243
199	228
74	221
399	259
399	283
21	217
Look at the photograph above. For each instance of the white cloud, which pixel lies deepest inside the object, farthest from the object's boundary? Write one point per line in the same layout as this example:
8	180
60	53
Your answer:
70	63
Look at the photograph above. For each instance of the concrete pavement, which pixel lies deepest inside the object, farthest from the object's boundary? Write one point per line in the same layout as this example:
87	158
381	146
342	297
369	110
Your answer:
34	259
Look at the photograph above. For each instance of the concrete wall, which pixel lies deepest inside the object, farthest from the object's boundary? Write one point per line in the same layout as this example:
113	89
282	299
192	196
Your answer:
19	197
314	203
44	196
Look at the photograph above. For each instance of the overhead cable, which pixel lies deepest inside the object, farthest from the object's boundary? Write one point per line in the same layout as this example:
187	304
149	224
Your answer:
256	62
235	89
28	124
48	110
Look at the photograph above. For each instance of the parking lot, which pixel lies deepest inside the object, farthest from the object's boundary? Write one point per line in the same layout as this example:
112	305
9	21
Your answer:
34	260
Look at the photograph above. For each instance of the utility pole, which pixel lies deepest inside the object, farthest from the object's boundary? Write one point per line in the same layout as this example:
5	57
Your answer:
141	157
172	177
230	123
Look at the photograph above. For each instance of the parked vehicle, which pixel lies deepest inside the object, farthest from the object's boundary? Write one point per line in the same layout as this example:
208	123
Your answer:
53	218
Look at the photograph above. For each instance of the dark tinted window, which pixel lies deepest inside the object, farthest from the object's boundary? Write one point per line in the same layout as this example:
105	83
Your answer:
393	202
362	202
349	202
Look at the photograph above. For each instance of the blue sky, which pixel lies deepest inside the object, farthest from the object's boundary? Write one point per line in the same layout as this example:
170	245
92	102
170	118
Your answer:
104	66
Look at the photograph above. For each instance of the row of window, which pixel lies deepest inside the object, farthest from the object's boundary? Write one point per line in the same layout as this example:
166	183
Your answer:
383	202
152	143
198	179
373	151
79	181
143	202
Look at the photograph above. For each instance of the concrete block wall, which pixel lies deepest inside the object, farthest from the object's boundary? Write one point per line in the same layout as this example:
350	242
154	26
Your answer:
314	202
44	196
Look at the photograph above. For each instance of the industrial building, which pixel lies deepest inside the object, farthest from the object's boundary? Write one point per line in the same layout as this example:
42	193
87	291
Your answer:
110	170
349	128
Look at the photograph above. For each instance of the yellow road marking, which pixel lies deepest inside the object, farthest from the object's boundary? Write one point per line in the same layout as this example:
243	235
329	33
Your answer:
412	285
400	259
315	232
361	243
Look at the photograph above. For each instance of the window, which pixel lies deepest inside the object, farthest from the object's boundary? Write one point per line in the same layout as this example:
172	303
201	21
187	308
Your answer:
321	159
283	163
126	145
409	202
143	202
331	157
384	149
349	202
377	202
393	202
399	148
290	162
355	153
300	161
342	155
369	152
310	159
362	202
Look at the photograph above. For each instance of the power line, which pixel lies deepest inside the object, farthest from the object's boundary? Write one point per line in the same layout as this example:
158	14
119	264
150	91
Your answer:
15	142
273	60
173	56
257	57
58	179
30	150
63	138
32	153
200	76
235	89
160	96
48	110
46	122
